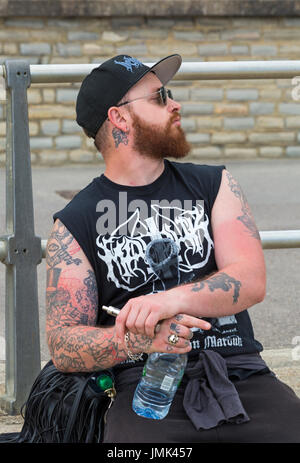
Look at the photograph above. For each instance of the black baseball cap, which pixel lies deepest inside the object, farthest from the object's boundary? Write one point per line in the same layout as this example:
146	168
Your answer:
106	85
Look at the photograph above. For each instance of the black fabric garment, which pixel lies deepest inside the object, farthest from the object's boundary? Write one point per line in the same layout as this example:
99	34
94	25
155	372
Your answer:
210	397
272	406
146	239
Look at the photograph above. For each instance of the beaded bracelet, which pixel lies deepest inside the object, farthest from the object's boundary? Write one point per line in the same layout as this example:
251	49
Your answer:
130	354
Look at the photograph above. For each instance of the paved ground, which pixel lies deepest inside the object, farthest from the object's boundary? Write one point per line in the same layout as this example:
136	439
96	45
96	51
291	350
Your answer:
273	191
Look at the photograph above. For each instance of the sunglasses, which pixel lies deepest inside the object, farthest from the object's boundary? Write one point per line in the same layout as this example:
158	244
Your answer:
162	93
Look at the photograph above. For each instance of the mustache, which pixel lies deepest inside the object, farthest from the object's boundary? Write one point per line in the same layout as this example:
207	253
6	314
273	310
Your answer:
175	116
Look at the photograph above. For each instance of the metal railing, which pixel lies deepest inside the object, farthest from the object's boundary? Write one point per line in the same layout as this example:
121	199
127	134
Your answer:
21	251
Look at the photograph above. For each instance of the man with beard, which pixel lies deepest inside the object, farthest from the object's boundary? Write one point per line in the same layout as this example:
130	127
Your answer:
177	267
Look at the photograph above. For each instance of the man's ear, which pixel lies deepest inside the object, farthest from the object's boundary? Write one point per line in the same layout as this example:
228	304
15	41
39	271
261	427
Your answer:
118	118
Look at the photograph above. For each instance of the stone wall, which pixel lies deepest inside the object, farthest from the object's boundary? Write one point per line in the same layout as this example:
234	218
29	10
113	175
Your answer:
223	119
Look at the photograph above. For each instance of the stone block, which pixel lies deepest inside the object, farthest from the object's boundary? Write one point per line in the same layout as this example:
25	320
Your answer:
81	156
213	49
272	137
240	34
207	94
293	151
239	50
261	108
209	122
180	94
240	153
291	49
289	108
228	137
69	126
207	152
40	48
10	48
34	96
149	34
190	36
68	49
53	157
66	95
50	127
114	37
139	49
3	128
292	122
233	109
263	50
37	143
239	123
33	128
96	49
82	35
188	124
51	111
270	122
48	95
21	23
271	151
68	142
195	109
270	93
198	138
242	94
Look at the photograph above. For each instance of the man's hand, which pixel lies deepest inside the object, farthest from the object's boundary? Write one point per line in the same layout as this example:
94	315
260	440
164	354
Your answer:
179	325
140	315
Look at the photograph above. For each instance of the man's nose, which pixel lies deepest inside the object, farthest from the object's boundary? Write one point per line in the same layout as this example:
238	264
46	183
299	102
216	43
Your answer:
173	105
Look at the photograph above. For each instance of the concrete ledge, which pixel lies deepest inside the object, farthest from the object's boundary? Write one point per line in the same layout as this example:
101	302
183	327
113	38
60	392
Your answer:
92	8
286	368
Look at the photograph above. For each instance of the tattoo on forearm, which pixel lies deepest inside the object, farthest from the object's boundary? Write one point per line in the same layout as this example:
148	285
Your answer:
119	137
246	218
83	348
60	248
139	343
220	281
74	340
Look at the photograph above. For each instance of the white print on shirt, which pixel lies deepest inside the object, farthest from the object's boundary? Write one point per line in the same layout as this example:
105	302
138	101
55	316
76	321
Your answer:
163	252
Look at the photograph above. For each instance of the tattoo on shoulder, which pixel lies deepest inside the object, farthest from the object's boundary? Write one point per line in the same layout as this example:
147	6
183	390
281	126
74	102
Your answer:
62	247
220	281
246	218
119	136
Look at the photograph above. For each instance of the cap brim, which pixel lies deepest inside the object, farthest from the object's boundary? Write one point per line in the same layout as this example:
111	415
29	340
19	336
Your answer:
166	68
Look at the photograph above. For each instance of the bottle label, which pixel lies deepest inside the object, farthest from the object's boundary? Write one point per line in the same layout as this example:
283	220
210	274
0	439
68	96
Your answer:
167	383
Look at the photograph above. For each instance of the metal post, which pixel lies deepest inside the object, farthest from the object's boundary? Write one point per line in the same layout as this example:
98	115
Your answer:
23	248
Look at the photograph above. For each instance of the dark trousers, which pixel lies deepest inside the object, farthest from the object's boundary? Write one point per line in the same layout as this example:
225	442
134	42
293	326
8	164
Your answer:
272	406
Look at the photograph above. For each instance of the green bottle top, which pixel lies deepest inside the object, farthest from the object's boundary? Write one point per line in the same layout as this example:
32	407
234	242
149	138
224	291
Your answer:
104	382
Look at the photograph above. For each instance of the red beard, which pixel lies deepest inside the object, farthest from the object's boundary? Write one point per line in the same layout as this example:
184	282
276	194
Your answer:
157	142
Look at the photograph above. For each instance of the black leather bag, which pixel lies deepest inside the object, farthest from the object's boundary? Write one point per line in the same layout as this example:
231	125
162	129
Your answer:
65	407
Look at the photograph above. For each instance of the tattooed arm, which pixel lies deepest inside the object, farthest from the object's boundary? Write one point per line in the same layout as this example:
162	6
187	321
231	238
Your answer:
74	340
75	343
239	283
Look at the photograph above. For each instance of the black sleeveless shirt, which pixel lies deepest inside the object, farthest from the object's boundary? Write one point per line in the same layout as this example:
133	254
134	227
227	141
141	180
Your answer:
145	239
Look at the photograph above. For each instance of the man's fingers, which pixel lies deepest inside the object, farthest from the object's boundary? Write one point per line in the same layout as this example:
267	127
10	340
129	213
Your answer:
192	322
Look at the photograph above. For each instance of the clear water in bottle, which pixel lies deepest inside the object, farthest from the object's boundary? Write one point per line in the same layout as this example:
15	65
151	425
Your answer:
161	377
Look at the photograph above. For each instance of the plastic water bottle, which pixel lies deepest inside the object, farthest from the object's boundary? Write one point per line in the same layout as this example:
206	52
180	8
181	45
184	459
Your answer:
161	377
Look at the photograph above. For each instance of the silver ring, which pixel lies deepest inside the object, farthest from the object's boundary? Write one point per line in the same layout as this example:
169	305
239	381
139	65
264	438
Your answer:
173	339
